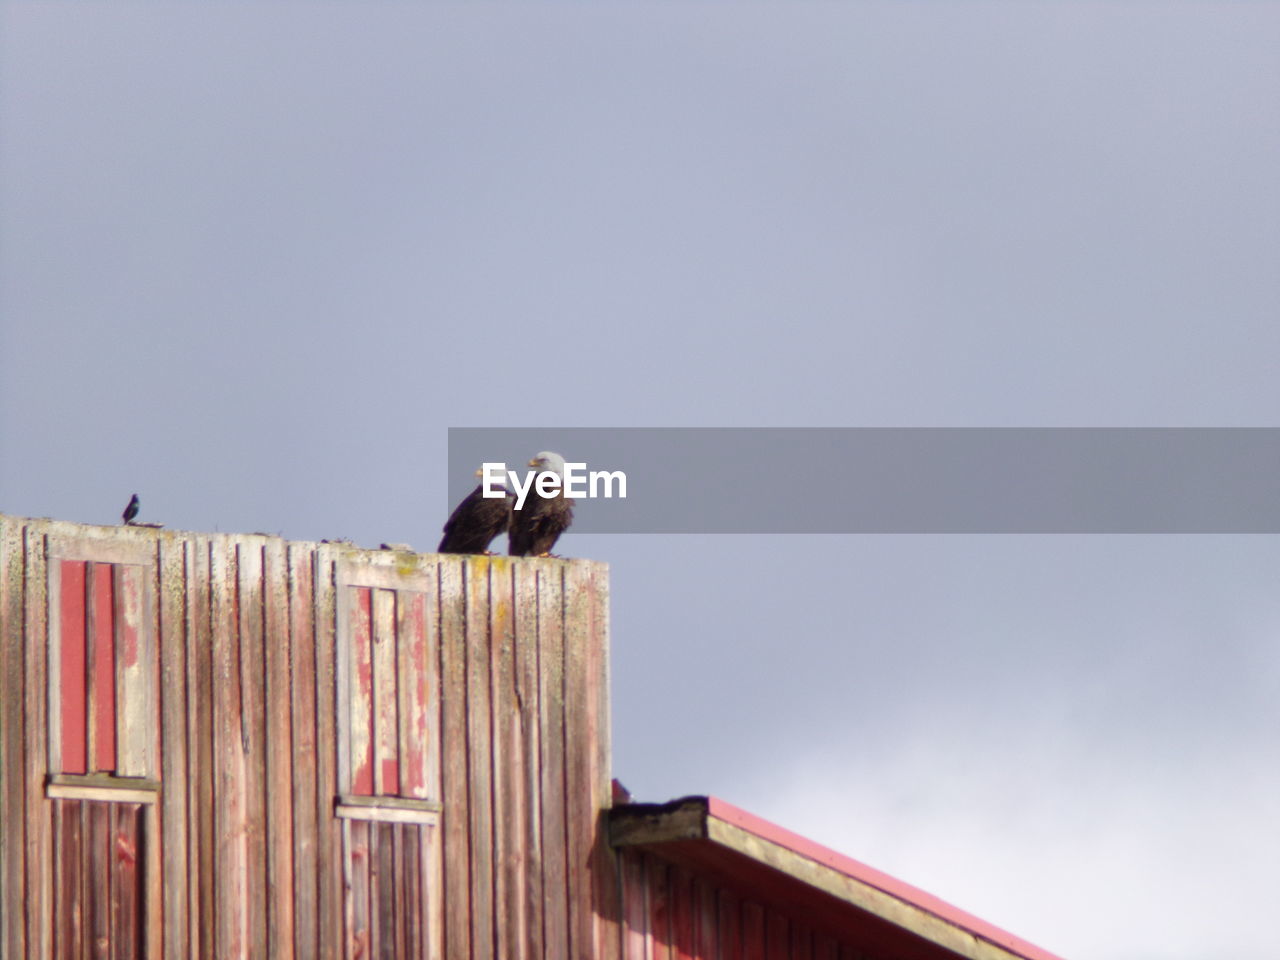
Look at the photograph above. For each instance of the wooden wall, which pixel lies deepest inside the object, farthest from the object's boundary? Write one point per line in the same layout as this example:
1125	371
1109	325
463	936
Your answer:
217	746
673	913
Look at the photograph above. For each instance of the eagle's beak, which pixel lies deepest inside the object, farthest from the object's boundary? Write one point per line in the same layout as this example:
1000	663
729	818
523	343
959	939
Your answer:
479	473
533	463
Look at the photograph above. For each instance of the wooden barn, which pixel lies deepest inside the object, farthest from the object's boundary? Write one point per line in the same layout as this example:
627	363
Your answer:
222	746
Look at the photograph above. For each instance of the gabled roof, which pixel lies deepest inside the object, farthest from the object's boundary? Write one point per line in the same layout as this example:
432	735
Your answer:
827	889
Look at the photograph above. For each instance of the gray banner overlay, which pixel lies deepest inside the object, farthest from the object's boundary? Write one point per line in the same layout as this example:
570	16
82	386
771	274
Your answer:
905	480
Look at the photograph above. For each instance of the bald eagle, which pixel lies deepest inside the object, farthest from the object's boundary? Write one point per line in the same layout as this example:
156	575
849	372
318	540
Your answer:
536	527
476	521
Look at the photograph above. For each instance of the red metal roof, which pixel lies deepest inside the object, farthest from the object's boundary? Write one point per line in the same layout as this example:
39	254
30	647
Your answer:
875	878
864	907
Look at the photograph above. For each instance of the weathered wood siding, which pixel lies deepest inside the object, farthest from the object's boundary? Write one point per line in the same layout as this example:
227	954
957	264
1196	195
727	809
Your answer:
218	746
672	913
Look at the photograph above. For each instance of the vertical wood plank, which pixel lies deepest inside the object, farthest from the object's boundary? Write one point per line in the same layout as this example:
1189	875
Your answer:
53	675
386	745
729	926
453	753
431	839
329	843
777	936
231	861
510	860
102	669
706	943
39	826
431	675
606	861
356	866
400	907
69	919
151	908
113	906
150	867
135	726
360	630
373	915
801	942
249	622
826	948
635	911
529	798
98	878
12	733
415	670
86	879
582	793
201	891
279	757
414	899
660	932
479	756
551	721
604	867
432	859
126	908
177	867
64	898
302	693
753	930
384	900
681	915
72	685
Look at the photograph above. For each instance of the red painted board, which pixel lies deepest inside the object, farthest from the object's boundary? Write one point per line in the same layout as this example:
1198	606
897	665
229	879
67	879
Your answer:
681	915
753	932
135	729
729	926
777	936
411	647
361	693
102	690
386	746
73	677
635	913
659	909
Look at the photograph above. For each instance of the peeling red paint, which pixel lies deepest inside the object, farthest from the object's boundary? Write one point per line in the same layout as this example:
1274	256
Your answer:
73	665
362	695
125	850
102	695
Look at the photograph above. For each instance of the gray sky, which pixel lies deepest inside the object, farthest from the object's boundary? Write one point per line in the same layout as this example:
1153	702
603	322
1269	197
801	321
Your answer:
255	259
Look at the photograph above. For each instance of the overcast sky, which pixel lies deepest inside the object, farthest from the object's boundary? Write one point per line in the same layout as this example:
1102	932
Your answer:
255	259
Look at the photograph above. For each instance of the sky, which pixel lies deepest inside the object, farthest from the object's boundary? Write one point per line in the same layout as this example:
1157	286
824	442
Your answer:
256	259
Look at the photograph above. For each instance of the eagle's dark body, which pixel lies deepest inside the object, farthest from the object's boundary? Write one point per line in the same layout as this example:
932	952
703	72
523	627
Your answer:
536	528
476	521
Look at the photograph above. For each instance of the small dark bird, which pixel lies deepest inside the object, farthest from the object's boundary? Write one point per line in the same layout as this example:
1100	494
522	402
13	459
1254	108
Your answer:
537	526
131	510
475	522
